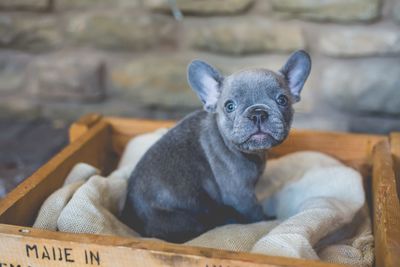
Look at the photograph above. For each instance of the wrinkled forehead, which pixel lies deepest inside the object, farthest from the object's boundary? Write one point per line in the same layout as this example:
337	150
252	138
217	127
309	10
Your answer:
253	80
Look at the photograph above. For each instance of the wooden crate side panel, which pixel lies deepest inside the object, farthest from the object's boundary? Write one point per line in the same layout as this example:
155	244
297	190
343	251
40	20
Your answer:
30	249
352	149
386	207
395	149
80	127
125	129
21	205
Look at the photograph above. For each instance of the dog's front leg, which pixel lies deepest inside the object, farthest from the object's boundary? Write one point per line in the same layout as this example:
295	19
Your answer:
249	207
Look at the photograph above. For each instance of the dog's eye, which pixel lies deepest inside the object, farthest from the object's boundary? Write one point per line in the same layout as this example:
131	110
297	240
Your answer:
282	100
230	106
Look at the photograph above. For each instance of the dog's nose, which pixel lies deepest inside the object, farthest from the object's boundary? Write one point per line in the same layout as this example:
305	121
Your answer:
258	115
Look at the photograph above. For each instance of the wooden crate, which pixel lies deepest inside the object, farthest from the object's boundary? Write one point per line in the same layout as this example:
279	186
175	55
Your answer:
99	141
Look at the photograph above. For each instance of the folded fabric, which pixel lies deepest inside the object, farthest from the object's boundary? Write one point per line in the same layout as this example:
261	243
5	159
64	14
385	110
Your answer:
318	202
320	195
54	205
94	207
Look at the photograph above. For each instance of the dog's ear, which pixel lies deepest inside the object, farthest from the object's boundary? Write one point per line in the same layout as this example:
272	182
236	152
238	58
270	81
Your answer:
296	71
206	82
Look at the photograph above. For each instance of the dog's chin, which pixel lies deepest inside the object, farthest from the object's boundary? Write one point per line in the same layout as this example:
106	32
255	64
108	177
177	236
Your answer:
258	142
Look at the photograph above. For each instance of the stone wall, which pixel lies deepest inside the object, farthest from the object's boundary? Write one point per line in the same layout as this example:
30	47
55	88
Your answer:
64	58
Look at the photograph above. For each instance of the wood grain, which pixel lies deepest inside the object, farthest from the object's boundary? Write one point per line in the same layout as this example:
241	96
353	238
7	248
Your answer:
395	150
116	251
386	208
78	128
124	129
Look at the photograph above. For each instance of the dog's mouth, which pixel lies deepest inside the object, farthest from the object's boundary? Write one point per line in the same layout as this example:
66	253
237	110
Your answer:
258	141
259	136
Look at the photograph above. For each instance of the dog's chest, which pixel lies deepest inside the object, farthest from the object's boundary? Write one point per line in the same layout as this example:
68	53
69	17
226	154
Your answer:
233	176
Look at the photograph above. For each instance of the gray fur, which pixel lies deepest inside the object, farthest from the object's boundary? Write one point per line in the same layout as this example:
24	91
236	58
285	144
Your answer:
202	172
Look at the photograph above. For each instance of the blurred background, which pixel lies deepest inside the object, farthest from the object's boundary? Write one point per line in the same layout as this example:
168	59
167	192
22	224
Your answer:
61	59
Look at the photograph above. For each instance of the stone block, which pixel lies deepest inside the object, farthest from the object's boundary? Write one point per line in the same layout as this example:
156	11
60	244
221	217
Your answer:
364	86
245	36
65	76
360	42
205	7
155	81
12	72
396	12
121	30
33	33
24	5
332	10
92	4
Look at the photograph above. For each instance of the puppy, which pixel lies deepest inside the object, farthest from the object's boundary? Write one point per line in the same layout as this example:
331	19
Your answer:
202	173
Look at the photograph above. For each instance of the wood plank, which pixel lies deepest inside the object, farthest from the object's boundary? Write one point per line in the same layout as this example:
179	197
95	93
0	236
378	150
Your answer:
386	207
21	205
352	149
78	128
123	129
395	144
131	127
345	146
395	150
116	251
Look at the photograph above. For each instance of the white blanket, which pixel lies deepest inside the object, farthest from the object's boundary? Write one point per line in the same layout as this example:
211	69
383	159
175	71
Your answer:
319	204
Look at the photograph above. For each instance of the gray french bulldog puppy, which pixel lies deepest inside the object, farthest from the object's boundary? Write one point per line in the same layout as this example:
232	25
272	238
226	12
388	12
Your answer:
202	173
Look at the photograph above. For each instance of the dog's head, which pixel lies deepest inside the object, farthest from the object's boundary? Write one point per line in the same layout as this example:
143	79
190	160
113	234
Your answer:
253	107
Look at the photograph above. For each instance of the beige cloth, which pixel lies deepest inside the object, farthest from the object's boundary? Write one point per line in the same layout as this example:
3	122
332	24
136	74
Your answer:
319	204
53	206
92	205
